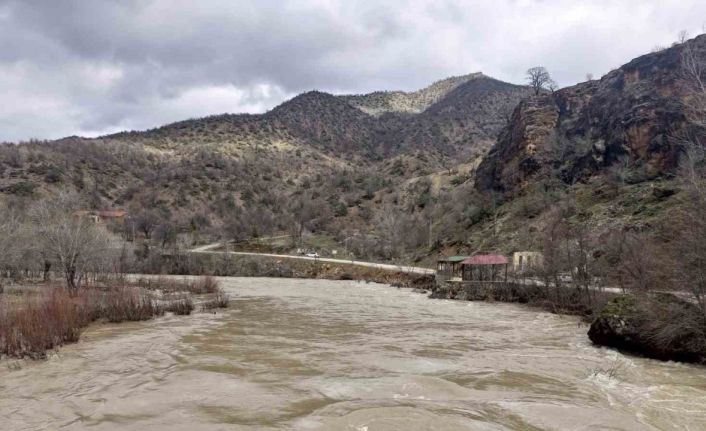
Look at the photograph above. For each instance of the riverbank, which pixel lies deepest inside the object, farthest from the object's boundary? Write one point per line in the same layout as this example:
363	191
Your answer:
659	326
558	301
237	265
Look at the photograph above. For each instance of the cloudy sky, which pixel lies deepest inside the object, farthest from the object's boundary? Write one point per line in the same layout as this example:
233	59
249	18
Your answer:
90	67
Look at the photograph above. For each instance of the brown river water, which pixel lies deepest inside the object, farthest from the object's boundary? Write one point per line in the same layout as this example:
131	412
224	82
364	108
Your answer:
346	355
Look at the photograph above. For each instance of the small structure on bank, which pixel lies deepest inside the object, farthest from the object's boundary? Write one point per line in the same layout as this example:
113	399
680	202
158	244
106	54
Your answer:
485	268
102	216
524	261
450	267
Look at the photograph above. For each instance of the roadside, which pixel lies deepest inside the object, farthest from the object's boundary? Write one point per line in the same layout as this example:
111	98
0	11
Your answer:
209	249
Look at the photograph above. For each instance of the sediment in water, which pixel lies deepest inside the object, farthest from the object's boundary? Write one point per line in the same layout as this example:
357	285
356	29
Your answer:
658	326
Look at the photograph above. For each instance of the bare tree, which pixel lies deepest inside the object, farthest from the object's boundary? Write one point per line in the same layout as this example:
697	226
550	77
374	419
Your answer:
638	264
146	221
693	71
10	250
76	243
553	86
539	79
689	226
682	36
688	222
166	233
388	224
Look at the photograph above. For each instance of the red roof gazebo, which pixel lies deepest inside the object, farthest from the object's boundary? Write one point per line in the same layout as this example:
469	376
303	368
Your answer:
486	267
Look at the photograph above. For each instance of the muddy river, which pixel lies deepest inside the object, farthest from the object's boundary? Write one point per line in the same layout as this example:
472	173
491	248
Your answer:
325	355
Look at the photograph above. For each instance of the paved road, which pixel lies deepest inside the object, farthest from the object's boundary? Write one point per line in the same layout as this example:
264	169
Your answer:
208	249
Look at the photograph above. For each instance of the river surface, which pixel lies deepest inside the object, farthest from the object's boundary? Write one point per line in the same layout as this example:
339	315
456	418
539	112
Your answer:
345	355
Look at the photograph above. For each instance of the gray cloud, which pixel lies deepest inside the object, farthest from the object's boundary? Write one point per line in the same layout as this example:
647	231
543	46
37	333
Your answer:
79	67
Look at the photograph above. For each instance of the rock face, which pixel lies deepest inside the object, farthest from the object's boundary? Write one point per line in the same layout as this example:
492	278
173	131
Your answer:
523	146
660	327
631	115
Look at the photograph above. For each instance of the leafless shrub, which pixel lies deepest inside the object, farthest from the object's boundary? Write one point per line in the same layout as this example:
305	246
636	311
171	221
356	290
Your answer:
198	286
669	322
207	284
180	304
682	36
219	300
128	304
635	260
32	324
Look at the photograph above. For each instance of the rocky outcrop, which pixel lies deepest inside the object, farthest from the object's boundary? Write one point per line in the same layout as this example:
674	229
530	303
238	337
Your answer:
660	327
631	114
523	148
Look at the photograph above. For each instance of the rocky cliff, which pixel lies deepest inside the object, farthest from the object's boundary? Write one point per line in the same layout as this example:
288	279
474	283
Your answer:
631	116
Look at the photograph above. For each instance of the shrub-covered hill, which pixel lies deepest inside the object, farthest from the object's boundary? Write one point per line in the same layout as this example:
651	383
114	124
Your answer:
470	163
318	162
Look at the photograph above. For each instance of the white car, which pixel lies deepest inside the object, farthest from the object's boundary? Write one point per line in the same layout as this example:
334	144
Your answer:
312	255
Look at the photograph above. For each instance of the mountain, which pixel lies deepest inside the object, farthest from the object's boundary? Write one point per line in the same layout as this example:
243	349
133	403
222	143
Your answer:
339	153
465	164
465	121
454	116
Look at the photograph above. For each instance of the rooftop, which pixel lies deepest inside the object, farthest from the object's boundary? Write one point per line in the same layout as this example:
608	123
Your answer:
453	259
486	259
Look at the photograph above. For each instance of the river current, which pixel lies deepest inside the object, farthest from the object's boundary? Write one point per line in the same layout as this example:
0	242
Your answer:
346	355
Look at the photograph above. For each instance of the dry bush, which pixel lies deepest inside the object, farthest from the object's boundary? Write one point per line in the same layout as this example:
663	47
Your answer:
220	300
32	324
199	286
128	304
207	284
181	305
671	324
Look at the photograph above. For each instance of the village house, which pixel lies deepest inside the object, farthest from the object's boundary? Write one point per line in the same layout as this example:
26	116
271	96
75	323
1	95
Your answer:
102	215
524	261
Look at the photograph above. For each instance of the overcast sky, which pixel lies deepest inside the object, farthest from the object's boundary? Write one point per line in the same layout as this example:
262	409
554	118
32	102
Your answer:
90	67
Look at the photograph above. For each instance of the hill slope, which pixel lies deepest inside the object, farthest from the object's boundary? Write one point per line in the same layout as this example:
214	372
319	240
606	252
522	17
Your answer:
481	161
317	160
383	102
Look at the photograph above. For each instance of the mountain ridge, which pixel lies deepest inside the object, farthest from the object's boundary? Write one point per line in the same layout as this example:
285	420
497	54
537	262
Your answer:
336	123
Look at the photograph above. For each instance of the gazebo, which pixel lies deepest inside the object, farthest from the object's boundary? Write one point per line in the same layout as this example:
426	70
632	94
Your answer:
450	266
484	267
